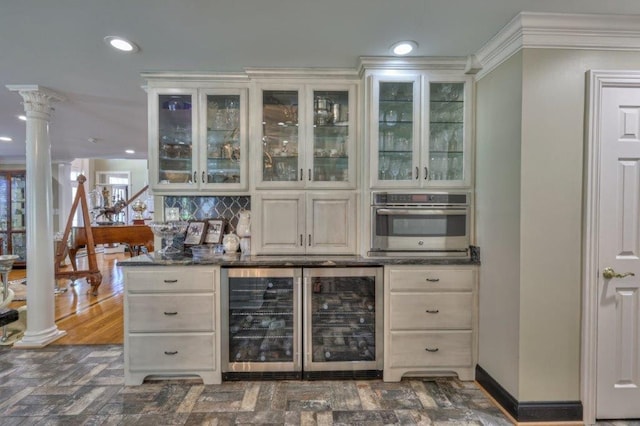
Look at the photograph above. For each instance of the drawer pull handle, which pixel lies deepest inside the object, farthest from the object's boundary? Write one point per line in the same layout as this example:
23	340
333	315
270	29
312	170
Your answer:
171	352
426	349
170	281
175	313
429	311
433	280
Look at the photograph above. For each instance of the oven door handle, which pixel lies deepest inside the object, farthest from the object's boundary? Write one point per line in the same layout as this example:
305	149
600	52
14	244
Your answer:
419	212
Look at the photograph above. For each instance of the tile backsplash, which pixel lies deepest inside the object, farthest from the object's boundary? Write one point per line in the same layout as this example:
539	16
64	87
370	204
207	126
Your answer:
210	207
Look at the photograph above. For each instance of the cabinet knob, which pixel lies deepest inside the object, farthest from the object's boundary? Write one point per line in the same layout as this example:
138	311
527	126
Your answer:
433	280
170	281
429	311
309	240
417	172
432	349
426	173
203	174
175	313
171	352
301	174
309	174
194	176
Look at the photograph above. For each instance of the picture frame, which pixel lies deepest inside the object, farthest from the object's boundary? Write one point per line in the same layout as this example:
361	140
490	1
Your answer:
215	231
195	233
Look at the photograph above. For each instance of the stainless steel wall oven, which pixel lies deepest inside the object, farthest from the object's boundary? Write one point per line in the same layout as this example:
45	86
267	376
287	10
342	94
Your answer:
420	224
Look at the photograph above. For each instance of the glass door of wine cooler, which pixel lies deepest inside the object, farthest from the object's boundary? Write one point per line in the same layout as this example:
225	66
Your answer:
261	323
343	319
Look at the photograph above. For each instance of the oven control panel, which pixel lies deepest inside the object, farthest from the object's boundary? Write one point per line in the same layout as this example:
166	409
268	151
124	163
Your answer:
386	198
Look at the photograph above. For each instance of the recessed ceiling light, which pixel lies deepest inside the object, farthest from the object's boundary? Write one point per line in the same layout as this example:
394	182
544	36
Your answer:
403	48
22	117
121	44
130	151
5	139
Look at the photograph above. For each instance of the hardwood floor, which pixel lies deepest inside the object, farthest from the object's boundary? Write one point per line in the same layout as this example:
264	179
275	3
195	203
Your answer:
89	319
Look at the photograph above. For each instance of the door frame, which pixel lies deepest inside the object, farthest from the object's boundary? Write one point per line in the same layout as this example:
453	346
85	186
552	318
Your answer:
597	81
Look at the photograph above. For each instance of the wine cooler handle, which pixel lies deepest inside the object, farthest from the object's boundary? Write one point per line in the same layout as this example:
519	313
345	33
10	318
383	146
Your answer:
429	311
432	350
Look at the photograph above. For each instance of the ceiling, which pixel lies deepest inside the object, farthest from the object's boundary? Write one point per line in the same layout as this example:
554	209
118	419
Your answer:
59	45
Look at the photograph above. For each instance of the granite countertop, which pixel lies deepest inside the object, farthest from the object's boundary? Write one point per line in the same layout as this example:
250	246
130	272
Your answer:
236	260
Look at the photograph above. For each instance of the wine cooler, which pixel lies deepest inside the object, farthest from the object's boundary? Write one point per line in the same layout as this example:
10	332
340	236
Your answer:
302	322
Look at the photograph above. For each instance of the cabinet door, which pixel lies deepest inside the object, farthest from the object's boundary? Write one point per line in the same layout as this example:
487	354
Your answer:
281	226
331	223
395	130
172	139
447	158
280	132
223	115
331	159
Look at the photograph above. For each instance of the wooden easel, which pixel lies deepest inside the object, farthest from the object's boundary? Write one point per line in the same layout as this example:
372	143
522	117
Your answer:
93	275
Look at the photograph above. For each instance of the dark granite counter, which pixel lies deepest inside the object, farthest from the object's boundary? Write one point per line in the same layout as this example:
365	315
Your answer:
153	259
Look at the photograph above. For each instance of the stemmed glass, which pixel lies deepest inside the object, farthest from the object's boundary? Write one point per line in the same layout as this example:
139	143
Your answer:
395	169
384	166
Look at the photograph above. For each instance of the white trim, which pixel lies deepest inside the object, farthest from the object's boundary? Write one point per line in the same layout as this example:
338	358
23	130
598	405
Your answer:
559	31
597	81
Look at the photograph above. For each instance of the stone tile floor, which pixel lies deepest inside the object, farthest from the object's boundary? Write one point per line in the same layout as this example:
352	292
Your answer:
83	385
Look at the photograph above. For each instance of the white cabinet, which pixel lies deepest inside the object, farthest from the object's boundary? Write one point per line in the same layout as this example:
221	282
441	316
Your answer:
197	137
430	321
171	323
308	134
419	125
305	223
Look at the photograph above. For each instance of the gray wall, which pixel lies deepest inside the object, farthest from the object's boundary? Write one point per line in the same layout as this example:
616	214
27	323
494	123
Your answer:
498	134
550	180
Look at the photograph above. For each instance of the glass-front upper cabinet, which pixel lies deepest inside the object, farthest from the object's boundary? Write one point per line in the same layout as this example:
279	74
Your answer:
308	137
172	138
446	132
420	125
222	160
395	130
197	139
280	137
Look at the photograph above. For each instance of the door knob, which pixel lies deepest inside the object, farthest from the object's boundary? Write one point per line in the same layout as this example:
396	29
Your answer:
609	273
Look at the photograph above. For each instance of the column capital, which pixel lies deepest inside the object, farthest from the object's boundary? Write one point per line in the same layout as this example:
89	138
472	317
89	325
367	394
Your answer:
38	100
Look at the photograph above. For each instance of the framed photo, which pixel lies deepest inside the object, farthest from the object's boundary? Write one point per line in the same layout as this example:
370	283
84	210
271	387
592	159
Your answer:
215	231
195	233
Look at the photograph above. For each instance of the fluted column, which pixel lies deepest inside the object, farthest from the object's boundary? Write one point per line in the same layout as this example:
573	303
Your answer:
41	327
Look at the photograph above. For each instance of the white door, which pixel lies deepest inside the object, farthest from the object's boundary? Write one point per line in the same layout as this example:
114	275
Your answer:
618	306
331	223
280	223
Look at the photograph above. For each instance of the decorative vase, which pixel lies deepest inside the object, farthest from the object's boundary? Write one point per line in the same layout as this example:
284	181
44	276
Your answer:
244	224
231	243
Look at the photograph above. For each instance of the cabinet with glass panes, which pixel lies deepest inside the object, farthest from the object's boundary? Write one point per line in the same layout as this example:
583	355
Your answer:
197	138
419	128
308	136
13	215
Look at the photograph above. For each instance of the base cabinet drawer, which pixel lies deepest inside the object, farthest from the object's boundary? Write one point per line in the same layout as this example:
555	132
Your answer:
423	279
171	313
430	349
172	352
422	311
170	279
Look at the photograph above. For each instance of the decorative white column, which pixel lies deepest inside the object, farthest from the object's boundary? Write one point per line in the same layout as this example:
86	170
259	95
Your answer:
41	326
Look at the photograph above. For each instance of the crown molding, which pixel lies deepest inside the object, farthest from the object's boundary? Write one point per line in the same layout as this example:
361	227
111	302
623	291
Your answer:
531	30
411	63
